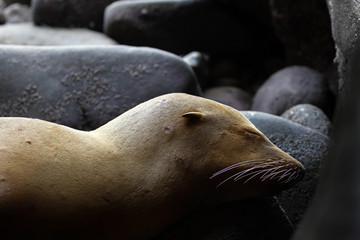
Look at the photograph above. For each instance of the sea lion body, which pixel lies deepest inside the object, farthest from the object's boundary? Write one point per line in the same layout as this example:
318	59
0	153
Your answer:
138	173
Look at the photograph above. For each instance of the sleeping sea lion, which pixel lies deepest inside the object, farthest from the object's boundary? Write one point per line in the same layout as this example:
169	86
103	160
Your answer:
137	174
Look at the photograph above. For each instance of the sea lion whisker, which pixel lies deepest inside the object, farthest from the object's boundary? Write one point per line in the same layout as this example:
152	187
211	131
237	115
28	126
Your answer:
246	171
275	174
247	174
286	173
258	172
237	175
237	165
291	176
272	171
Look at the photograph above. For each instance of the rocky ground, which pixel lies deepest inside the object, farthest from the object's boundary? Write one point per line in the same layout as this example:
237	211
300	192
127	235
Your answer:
82	63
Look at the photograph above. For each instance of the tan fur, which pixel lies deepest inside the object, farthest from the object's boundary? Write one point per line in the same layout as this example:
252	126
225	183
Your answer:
133	176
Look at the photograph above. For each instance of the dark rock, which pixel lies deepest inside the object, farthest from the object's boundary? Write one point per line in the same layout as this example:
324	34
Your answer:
231	96
308	146
85	87
187	25
8	2
345	19
68	13
17	13
290	86
305	30
335	211
199	62
309	116
29	34
250	219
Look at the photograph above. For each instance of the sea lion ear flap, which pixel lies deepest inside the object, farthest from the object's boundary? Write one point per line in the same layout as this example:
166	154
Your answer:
193	115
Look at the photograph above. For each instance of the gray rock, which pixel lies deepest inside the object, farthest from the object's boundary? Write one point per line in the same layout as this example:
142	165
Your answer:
251	219
185	25
69	13
199	62
85	87
308	146
345	19
309	116
2	4
305	31
17	13
334	213
291	86
29	34
231	96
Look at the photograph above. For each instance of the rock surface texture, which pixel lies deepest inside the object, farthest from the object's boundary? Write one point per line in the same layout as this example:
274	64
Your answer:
69	13
309	116
85	87
291	86
29	34
308	146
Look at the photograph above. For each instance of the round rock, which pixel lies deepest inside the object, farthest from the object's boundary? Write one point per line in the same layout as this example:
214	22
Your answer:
291	86
84	87
183	26
199	62
17	13
304	144
29	34
231	96
309	116
68	13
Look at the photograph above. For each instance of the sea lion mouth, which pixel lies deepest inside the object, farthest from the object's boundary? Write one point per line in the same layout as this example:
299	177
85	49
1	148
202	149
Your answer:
280	172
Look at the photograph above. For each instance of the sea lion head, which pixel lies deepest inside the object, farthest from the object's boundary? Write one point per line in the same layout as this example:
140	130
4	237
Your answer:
219	145
206	147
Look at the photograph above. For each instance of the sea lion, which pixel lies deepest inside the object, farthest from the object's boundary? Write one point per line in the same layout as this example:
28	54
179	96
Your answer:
138	173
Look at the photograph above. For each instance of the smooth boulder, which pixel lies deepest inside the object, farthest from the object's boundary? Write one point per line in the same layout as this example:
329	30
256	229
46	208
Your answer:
183	26
30	34
291	86
69	13
84	87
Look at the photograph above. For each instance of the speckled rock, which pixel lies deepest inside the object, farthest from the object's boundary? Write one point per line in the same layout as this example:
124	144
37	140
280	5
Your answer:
309	116
17	13
306	145
85	87
231	96
69	13
251	219
345	19
29	34
199	62
183	26
291	86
